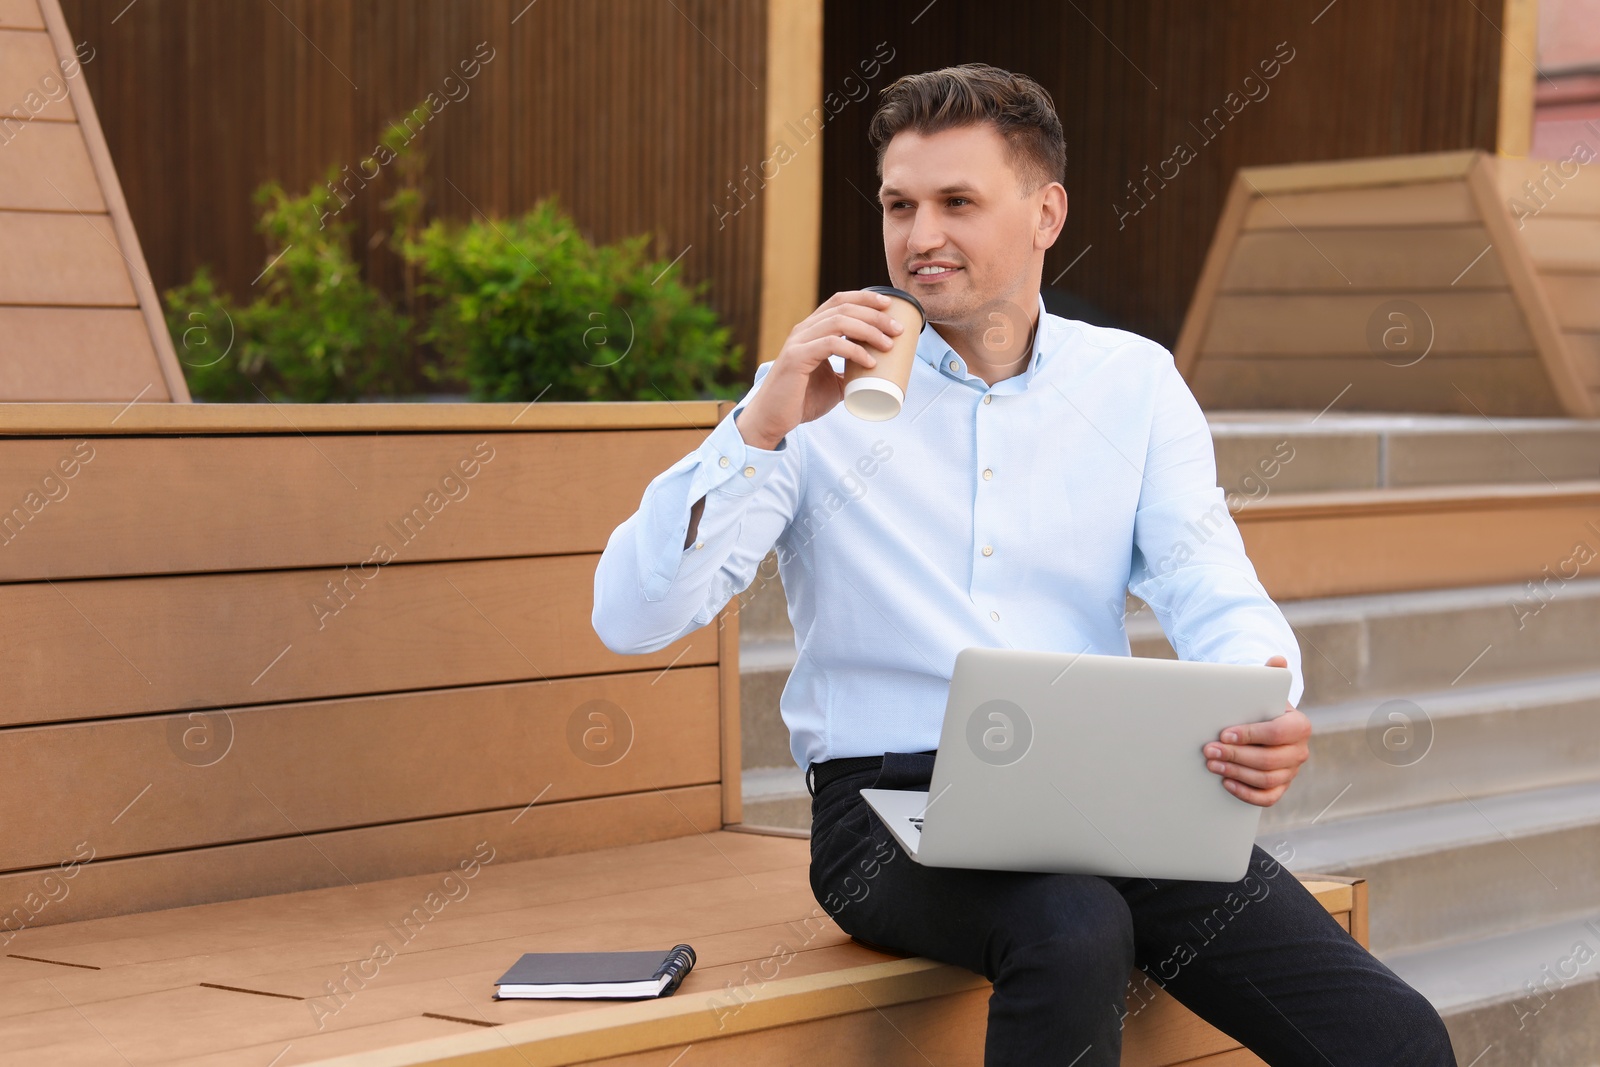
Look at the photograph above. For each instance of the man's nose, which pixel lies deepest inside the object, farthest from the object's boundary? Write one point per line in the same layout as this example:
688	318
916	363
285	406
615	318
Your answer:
926	233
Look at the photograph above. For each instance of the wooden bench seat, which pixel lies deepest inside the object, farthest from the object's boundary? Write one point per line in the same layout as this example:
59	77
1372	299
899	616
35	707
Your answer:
297	978
253	765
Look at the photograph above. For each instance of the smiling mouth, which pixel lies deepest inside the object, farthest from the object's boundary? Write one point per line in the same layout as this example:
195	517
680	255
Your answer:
935	276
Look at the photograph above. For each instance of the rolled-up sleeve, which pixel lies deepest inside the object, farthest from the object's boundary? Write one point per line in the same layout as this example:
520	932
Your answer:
649	588
1189	561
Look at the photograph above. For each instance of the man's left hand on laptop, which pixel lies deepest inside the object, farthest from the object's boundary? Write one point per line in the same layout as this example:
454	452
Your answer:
1258	760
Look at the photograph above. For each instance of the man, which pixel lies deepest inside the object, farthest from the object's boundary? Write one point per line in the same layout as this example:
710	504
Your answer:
1039	470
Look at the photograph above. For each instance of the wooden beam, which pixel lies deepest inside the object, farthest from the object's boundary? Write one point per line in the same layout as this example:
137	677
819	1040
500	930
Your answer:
1346	173
1432	537
791	205
732	748
1198	318
1519	57
1531	292
103	419
111	189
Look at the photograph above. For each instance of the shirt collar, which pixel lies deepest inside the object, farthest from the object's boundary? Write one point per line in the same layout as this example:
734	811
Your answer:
936	351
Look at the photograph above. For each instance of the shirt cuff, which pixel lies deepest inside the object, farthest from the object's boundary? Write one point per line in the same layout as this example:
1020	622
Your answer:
733	465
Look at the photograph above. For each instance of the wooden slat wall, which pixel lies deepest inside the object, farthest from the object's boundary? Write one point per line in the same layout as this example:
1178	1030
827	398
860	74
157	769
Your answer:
218	686
1558	219
635	113
1313	265
1132	80
78	315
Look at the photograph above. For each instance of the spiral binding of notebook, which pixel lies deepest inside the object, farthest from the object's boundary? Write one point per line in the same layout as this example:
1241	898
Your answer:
678	964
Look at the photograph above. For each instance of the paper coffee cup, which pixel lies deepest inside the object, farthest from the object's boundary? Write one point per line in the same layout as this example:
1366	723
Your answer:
878	393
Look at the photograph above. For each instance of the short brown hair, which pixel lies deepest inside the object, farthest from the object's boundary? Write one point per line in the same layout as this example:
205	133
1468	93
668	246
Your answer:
971	94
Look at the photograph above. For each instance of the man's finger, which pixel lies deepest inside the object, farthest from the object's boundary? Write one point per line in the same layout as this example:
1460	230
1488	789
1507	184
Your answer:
1289	728
1264	778
1262	797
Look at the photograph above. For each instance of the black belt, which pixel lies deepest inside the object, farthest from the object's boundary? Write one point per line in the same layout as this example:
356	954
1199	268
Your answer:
819	775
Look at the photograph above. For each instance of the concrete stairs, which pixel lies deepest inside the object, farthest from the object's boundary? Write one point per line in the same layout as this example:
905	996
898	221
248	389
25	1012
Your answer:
1456	744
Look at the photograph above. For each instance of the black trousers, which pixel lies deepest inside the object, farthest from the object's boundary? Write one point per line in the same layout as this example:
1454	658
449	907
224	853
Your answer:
1260	959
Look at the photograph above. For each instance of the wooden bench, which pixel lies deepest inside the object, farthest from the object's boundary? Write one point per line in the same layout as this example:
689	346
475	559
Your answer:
280	796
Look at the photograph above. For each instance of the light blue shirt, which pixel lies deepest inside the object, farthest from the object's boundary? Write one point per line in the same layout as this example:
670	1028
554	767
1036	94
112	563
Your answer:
1016	515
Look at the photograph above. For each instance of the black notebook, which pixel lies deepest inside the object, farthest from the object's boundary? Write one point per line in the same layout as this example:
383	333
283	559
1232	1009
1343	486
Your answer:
596	974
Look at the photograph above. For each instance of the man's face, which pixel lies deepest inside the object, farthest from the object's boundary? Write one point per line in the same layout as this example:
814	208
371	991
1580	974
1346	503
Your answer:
952	199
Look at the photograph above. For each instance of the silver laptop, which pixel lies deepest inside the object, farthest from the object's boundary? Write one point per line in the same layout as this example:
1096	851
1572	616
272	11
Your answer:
1085	764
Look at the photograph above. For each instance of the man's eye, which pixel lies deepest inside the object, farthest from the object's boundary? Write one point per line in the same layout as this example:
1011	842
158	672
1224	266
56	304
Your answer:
954	200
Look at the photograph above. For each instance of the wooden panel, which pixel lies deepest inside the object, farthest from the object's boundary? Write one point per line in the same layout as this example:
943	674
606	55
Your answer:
90	419
1419	204
55	354
1585	350
1575	299
1559	243
207	779
99	648
20	15
47	168
1504	385
1355	173
344	857
1336	323
1437	257
298	501
31	85
1114	69
61	259
1432	538
1556	191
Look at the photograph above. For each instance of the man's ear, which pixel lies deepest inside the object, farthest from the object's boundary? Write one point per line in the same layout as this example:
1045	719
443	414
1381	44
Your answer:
1052	215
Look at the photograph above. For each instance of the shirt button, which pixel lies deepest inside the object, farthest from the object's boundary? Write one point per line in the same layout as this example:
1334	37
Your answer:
988	550
723	462
698	545
952	364
995	615
987	474
988	399
749	472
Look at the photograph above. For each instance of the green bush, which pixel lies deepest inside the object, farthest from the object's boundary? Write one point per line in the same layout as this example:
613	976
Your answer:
527	308
518	309
317	332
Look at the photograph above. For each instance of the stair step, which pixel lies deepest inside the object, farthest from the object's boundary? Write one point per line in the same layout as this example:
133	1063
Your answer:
776	796
1532	995
1465	869
1481	740
1394	643
764	667
1337	450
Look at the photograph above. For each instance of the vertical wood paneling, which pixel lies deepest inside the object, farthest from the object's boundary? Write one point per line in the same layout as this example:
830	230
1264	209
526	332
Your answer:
1368	78
630	111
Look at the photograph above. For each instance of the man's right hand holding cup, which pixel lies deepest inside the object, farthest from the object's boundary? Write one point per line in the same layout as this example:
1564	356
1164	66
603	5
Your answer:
802	385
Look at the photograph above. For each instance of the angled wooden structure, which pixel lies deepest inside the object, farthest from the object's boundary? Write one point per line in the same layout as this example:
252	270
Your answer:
79	316
1453	282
